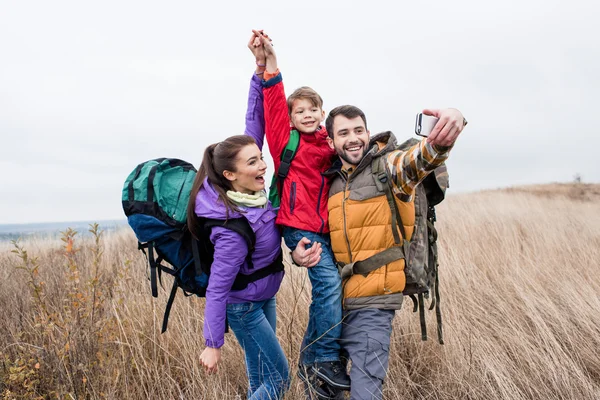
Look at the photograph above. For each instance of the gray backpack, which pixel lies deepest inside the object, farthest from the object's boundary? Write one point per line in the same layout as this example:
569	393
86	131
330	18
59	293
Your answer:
420	253
421	269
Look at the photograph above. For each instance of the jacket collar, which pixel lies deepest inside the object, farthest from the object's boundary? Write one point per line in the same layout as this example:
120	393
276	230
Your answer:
380	144
208	205
319	134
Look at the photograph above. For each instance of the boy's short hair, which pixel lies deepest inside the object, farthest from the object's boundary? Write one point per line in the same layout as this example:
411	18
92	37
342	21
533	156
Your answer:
307	93
347	111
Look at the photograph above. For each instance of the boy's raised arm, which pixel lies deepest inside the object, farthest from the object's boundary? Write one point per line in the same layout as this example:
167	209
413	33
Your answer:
277	121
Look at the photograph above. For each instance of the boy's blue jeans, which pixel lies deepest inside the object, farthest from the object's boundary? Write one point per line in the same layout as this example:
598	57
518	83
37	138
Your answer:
253	324
321	341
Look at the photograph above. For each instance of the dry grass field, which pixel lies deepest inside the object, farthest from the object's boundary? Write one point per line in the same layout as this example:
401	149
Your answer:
520	283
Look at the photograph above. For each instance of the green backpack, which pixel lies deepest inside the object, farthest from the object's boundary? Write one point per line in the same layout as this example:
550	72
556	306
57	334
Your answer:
286	160
155	199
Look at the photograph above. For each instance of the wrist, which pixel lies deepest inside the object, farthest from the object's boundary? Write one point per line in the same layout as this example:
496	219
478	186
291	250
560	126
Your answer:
214	344
271	58
262	63
293	260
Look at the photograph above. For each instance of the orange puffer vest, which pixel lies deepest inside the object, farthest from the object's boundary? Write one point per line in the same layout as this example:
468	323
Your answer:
360	222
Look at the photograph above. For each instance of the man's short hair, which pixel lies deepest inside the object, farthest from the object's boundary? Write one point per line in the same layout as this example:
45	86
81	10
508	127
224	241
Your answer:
347	111
307	93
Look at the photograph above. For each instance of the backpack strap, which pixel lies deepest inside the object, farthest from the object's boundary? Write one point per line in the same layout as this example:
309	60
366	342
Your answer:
169	305
418	302
241	281
130	190
153	269
150	189
238	225
372	263
198	269
196	255
156	266
384	183
422	317
433	261
242	226
288	154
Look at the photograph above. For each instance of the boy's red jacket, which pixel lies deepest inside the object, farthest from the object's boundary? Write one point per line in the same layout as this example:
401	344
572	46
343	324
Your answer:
305	189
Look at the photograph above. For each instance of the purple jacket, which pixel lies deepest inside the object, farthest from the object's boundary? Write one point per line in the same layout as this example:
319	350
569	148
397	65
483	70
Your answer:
231	248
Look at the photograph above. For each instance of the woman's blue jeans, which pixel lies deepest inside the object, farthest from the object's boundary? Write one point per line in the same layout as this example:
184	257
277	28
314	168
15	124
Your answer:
253	324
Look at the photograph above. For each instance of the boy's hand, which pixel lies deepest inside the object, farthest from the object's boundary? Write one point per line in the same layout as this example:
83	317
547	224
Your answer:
269	52
268	46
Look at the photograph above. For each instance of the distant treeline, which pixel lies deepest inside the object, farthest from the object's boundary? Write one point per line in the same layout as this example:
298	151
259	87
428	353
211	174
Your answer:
54	229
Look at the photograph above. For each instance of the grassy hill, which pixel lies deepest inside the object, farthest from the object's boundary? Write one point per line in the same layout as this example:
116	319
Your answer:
520	300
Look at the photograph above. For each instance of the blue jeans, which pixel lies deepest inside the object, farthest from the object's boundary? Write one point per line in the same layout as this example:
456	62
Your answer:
321	341
253	324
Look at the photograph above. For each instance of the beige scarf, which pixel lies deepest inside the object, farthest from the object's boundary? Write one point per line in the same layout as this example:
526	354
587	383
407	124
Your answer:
258	199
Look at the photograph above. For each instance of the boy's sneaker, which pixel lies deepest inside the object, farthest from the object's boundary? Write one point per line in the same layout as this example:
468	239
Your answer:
314	388
333	373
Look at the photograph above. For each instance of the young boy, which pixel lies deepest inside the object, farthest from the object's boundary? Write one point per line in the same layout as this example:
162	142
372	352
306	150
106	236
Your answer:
303	212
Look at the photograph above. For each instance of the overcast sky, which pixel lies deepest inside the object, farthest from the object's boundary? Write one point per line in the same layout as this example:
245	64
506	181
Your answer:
90	89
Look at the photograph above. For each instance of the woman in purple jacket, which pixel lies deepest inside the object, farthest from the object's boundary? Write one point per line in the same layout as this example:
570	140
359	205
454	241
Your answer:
230	184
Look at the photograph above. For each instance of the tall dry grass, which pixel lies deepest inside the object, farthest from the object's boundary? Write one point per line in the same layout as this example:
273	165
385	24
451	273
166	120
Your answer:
520	300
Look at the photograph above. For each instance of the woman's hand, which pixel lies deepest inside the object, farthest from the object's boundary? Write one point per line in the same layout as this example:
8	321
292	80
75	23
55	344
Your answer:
210	358
307	257
256	46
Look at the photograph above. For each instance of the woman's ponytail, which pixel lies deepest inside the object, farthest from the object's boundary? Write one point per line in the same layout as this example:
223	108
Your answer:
218	157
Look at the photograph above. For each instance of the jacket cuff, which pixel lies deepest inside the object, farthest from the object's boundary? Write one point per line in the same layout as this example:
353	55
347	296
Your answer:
256	79
441	149
271	79
215	344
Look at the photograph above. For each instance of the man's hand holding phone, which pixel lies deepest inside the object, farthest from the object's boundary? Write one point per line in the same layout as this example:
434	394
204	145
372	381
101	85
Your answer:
450	123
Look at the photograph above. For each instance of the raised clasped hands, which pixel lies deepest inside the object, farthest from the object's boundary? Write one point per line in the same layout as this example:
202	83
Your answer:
256	45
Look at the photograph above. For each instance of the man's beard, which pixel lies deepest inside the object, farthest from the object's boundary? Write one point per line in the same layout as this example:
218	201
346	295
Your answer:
343	156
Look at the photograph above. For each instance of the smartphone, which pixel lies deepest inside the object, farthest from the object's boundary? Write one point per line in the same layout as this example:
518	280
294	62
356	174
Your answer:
424	124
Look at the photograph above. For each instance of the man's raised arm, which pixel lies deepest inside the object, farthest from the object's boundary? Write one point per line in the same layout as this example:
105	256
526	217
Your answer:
409	167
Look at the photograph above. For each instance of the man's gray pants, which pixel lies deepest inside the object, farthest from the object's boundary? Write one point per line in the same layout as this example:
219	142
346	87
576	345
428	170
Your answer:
366	337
